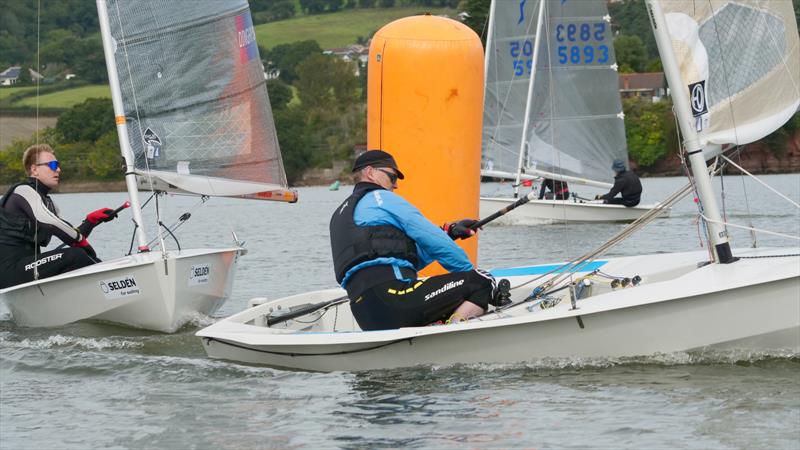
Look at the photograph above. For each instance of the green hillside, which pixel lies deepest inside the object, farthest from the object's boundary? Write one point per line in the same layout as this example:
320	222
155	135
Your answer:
330	30
336	29
67	98
6	92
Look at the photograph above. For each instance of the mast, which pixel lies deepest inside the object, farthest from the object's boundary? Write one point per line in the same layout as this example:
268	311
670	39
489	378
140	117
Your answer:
122	127
717	235
524	140
489	43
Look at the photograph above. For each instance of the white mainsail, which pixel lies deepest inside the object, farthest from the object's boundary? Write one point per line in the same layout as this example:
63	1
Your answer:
195	98
739	63
573	126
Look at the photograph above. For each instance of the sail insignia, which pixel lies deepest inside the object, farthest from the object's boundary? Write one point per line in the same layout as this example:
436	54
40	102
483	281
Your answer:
746	52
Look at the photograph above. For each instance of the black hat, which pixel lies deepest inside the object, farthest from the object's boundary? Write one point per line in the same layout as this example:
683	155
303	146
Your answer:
376	158
618	166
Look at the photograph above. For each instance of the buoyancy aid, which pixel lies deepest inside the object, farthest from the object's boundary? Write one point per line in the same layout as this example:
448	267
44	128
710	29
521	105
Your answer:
352	244
17	230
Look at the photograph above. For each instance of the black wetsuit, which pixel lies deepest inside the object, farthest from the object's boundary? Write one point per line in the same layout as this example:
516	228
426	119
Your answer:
558	190
628	184
28	219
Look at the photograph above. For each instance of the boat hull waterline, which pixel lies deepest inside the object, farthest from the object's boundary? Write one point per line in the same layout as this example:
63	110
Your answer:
677	307
556	211
145	290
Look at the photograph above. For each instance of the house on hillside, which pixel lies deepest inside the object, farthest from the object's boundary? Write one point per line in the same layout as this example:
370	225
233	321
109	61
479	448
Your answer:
355	52
9	76
652	85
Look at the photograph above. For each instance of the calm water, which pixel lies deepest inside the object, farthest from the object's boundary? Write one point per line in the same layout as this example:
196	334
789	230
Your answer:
90	385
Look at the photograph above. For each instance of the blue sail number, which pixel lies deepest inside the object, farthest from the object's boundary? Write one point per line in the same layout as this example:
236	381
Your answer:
582	43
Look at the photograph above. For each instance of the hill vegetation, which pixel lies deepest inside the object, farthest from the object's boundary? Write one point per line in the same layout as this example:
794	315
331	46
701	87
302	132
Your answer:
318	101
336	29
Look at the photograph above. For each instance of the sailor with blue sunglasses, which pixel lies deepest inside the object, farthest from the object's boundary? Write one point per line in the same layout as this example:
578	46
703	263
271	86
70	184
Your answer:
29	218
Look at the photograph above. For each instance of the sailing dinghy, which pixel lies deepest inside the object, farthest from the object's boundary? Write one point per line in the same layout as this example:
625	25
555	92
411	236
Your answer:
702	301
193	117
552	108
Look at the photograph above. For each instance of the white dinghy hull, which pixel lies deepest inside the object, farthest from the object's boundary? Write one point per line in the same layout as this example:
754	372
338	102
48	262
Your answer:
557	211
144	290
753	305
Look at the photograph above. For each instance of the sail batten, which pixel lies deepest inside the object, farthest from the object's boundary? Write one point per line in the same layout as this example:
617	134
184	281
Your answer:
194	96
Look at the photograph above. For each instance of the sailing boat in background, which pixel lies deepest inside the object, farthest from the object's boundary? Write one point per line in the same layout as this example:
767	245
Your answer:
193	117
743	57
552	107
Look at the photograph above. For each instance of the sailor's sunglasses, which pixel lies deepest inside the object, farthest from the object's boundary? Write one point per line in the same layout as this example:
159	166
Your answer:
392	176
53	165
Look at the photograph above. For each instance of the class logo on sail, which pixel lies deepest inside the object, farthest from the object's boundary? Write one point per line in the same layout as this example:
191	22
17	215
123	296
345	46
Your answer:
246	37
699	104
152	144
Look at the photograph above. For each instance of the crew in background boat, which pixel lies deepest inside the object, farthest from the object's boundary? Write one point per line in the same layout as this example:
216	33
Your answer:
625	182
29	218
379	242
558	190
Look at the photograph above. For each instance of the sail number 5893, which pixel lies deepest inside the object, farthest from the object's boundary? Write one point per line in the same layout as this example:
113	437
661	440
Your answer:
581	43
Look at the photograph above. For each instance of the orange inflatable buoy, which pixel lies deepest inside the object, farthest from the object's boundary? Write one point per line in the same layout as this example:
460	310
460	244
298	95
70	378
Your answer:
425	107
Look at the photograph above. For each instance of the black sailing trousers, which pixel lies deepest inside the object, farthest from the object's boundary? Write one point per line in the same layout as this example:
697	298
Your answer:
17	263
395	303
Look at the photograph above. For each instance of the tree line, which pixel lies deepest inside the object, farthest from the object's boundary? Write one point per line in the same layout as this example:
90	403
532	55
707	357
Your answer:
67	32
318	101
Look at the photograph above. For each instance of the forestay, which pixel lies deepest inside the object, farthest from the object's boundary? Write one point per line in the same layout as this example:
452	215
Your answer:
195	98
575	123
740	66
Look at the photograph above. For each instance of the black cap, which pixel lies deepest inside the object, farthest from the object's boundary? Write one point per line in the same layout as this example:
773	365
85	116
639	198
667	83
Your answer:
376	158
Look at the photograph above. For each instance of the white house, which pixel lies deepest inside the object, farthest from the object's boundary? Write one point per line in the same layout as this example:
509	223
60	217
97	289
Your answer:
354	52
9	76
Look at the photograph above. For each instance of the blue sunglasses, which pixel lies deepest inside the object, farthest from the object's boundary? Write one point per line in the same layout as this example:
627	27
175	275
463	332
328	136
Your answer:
53	165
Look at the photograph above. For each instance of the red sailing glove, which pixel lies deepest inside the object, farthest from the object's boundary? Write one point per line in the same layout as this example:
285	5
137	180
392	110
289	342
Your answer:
84	244
101	215
460	229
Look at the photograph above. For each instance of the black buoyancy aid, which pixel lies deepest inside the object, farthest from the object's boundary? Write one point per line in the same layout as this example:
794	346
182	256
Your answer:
17	230
352	244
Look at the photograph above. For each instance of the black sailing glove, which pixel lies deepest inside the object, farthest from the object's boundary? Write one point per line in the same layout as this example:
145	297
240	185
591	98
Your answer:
460	229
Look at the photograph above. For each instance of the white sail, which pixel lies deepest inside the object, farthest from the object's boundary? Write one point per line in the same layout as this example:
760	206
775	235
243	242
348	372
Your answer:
195	98
739	63
575	123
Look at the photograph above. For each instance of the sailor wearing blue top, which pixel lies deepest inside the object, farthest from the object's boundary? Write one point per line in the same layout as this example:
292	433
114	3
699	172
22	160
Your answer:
379	241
